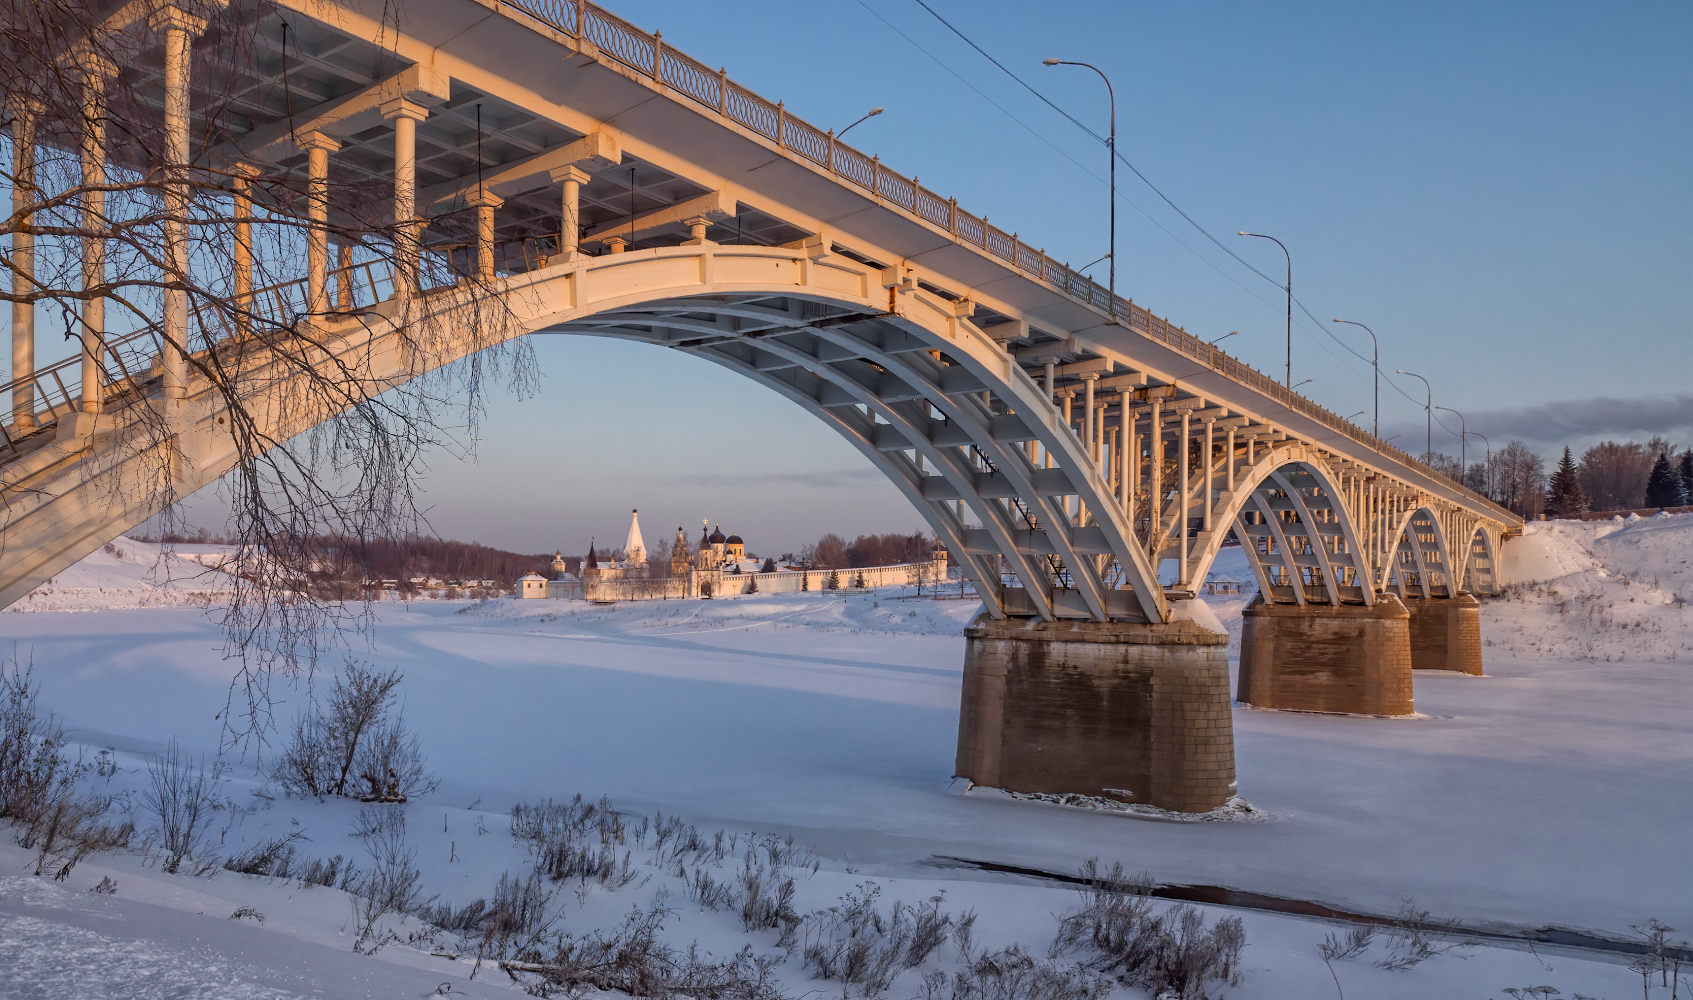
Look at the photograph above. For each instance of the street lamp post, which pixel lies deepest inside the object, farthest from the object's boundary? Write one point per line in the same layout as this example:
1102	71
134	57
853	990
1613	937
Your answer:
1288	381
1375	362
873	113
1463	441
1487	465
1428	413
1111	144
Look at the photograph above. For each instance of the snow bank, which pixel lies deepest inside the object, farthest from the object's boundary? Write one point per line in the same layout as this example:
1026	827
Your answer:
131	574
1596	590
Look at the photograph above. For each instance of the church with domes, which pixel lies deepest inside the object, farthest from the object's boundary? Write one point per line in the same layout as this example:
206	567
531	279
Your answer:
717	565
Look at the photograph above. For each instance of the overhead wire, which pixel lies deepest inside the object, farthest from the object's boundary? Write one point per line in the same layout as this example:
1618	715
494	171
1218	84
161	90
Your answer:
1060	151
1099	138
1117	152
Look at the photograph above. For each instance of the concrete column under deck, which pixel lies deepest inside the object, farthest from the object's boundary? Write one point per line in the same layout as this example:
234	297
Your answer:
1135	712
1323	658
1446	633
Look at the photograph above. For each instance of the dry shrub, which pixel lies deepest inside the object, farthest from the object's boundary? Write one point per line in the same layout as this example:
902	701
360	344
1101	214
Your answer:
394	884
1012	974
574	840
1170	953
181	792
633	959
354	747
855	944
39	784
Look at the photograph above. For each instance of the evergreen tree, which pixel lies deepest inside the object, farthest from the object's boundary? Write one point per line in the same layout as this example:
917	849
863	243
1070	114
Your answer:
1568	497
1663	488
1687	477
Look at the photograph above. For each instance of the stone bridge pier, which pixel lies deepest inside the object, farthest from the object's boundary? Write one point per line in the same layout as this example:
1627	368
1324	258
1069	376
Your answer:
1307	645
1445	633
1137	712
1346	658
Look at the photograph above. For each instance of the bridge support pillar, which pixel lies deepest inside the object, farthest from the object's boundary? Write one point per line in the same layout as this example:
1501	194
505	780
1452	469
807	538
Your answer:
1323	658
1134	712
1446	633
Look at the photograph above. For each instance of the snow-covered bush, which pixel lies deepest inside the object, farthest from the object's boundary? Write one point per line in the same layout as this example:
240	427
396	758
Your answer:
1172	952
1013	974
181	793
39	784
394	885
855	944
353	747
633	958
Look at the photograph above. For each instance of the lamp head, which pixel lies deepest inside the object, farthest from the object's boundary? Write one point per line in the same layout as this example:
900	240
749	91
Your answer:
1243	233
873	112
1051	62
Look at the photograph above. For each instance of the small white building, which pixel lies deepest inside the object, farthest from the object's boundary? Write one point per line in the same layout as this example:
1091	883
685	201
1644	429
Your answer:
531	585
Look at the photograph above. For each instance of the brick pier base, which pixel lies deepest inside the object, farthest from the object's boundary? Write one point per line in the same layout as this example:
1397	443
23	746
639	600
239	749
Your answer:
1321	658
1446	633
1135	712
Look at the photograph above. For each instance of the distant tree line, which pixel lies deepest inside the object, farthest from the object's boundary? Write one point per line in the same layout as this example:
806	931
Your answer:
1608	476
834	552
423	556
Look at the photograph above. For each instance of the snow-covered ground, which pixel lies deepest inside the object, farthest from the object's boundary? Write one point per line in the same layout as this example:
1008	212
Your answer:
1597	590
1554	791
131	574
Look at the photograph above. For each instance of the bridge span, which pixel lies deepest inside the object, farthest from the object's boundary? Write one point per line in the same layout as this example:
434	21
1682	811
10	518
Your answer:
1082	459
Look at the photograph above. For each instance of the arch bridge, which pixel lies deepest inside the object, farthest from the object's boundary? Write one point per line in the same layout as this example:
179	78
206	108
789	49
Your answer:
1082	459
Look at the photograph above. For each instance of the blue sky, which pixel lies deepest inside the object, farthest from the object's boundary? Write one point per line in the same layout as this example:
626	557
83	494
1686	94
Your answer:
1500	190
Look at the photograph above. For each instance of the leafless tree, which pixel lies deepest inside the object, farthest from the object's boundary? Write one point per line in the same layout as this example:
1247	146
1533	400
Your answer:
1615	475
1444	464
108	227
1519	478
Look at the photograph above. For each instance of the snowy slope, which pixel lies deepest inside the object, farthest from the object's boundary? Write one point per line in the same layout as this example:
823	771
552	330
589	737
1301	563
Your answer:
1599	590
131	574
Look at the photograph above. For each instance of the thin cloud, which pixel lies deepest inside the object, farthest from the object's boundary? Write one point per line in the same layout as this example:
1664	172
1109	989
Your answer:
1569	421
844	478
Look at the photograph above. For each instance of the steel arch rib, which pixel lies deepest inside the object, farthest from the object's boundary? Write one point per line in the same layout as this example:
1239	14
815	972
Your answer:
906	484
976	352
1028	401
960	478
1247	483
1402	534
968	414
1312	534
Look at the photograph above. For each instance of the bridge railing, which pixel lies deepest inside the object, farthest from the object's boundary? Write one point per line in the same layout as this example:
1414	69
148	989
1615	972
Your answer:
129	361
648	54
